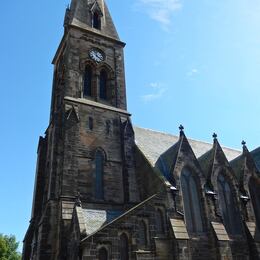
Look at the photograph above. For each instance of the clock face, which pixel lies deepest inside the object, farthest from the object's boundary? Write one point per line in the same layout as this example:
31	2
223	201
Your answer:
96	55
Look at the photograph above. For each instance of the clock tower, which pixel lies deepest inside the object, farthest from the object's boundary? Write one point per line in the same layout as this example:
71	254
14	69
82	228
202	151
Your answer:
86	155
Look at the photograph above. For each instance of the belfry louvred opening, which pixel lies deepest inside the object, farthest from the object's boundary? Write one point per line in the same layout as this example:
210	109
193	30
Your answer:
105	189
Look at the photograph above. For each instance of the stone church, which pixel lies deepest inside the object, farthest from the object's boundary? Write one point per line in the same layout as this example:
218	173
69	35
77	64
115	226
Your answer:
105	189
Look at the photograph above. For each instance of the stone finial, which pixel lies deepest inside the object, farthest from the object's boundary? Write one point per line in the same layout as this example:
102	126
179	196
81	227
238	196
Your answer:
215	136
244	146
181	127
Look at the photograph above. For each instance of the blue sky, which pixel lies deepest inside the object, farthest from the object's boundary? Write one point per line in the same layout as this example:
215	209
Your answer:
195	63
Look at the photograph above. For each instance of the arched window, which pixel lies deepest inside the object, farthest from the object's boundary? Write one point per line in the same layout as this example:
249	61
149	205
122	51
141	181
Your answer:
87	91
254	189
229	210
96	21
102	254
191	202
143	234
160	221
124	247
99	187
103	84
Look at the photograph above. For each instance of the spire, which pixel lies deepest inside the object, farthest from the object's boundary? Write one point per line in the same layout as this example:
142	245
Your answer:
91	15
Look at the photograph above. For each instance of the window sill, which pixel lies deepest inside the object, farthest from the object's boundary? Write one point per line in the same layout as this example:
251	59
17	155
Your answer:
141	251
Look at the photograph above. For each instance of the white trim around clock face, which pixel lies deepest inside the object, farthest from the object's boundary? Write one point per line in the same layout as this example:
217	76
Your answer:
96	55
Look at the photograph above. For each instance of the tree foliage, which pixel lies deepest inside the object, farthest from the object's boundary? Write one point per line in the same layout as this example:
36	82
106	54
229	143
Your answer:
8	248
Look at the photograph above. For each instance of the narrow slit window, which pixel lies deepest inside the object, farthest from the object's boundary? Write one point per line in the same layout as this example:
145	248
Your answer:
90	123
99	187
108	127
124	247
254	189
87	90
103	85
143	235
160	221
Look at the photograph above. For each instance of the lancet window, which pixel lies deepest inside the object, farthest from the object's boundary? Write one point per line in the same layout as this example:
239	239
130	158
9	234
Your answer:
103	80
191	202
229	209
87	88
96	20
254	189
124	247
143	234
160	221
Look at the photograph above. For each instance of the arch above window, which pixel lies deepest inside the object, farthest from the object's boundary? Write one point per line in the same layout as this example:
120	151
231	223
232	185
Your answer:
191	202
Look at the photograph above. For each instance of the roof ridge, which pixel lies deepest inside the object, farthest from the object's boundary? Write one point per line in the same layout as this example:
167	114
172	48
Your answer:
190	139
156	131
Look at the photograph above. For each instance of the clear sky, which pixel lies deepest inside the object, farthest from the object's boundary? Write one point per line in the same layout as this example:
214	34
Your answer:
195	63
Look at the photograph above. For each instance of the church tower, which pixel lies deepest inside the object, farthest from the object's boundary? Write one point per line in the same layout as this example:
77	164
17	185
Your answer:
86	156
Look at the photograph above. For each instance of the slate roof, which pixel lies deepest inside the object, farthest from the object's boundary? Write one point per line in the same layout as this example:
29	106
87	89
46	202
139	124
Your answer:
95	219
153	144
116	216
